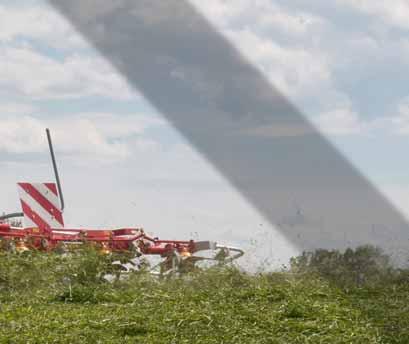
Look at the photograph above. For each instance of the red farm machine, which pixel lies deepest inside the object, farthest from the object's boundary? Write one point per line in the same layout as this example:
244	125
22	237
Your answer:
43	229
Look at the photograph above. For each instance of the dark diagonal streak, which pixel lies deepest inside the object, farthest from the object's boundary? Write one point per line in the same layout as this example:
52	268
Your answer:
241	123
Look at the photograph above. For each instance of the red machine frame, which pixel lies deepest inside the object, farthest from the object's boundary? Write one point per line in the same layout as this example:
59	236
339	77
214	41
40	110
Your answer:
177	254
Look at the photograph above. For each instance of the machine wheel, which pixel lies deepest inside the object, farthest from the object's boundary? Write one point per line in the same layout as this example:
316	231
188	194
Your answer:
44	244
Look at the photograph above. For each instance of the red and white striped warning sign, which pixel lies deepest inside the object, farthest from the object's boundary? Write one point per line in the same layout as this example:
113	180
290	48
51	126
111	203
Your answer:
40	205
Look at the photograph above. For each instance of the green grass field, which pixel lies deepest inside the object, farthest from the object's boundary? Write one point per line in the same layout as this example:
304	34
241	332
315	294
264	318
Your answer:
55	299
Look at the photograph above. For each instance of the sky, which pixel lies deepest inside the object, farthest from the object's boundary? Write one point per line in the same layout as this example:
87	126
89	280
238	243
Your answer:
343	64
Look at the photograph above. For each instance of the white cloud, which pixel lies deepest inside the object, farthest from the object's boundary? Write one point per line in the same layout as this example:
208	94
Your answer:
27	72
281	129
272	37
391	12
260	15
15	109
20	135
341	121
38	22
116	125
305	55
103	138
296	50
312	57
345	121
295	71
399	123
69	69
293	48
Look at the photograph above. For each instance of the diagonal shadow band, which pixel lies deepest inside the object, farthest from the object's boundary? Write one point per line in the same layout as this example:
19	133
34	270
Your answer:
241	123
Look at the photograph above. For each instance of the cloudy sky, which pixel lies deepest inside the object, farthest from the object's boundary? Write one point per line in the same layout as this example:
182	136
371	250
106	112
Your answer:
343	64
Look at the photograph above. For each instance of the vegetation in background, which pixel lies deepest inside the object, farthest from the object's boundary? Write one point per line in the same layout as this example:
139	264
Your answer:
366	265
326	297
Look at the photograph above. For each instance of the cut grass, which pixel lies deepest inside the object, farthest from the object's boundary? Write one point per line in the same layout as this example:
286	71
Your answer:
51	299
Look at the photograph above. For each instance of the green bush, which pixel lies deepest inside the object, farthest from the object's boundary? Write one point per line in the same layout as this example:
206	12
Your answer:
363	265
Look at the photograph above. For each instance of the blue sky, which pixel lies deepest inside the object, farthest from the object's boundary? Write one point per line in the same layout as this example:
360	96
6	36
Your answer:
344	64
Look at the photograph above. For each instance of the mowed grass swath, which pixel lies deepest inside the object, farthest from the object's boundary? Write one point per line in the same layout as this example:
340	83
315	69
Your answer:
54	298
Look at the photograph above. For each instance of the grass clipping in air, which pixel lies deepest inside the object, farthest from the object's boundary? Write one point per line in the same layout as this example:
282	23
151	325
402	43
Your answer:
326	297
